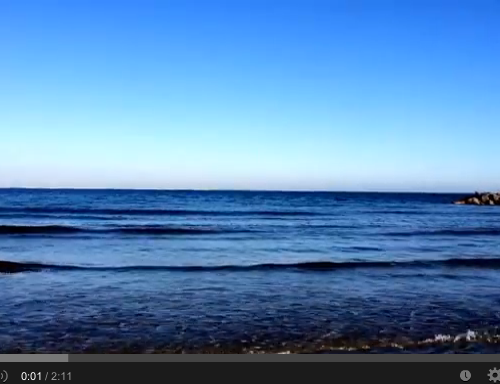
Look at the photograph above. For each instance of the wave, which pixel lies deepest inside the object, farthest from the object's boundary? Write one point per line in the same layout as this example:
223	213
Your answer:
45	229
399	212
450	232
484	340
319	266
54	216
137	230
152	230
480	341
153	212
167	230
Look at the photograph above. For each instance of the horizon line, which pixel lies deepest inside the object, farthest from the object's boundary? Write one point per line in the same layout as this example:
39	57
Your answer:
235	190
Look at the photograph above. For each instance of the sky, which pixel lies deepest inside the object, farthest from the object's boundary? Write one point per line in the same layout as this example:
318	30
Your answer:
375	95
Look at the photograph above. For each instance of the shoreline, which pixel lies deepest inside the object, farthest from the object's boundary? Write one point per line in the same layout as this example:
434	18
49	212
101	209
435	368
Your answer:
468	342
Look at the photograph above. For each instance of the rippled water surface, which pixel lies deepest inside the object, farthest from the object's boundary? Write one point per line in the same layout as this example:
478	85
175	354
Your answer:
144	271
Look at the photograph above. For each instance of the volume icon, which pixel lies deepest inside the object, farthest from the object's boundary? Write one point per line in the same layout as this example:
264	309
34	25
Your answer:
4	376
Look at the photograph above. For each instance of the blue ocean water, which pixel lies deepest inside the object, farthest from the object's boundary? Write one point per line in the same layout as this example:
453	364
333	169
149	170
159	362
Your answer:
190	271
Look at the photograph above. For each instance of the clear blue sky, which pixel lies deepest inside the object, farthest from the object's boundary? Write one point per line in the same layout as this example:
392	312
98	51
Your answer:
311	94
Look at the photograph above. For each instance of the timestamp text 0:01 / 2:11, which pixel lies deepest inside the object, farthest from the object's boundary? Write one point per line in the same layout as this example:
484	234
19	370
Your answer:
45	376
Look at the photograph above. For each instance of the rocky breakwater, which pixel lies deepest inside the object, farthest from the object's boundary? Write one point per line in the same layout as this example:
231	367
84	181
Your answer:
487	198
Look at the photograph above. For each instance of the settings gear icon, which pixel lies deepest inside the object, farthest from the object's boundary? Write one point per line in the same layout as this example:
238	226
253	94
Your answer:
494	375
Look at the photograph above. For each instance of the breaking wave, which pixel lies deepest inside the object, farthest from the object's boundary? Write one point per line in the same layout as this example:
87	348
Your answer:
14	267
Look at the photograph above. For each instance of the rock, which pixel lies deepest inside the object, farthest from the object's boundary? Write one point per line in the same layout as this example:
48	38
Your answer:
474	201
480	199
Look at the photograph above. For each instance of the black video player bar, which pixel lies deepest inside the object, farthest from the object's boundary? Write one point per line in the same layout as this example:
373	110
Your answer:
422	373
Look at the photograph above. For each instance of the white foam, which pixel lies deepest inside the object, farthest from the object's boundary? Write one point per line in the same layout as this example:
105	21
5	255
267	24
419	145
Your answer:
439	338
469	336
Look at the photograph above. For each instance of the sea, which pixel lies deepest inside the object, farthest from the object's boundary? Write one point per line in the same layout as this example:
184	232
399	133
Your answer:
136	271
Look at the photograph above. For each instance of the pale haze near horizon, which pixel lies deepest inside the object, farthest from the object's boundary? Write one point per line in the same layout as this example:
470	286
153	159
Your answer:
288	95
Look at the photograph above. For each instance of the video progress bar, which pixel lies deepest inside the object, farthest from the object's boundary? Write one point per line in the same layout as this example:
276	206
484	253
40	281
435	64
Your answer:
334	358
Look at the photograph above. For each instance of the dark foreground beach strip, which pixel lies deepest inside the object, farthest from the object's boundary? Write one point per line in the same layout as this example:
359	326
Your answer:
468	342
320	266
